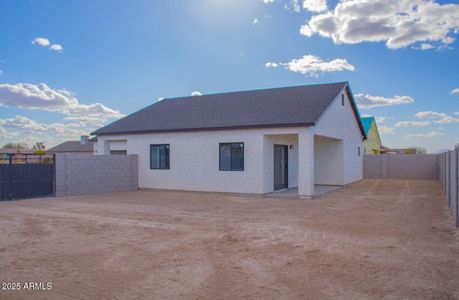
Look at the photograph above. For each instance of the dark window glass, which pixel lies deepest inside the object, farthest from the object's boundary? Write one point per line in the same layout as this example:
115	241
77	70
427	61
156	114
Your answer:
232	157
225	157
159	156
358	151
118	152
342	100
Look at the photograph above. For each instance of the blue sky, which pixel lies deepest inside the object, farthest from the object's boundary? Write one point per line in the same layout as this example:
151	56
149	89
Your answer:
99	60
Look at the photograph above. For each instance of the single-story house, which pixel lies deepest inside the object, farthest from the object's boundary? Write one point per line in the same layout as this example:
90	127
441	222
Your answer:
83	146
16	151
254	141
372	145
387	150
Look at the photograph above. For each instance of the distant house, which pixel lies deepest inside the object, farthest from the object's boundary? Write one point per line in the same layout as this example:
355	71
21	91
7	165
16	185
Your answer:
401	151
84	146
372	145
5	153
15	151
387	150
254	141
405	151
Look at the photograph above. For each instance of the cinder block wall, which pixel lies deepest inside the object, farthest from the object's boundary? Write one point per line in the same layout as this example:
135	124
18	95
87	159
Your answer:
90	174
419	166
449	178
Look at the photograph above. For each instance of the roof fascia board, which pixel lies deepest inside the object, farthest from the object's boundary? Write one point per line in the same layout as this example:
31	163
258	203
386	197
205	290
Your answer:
205	129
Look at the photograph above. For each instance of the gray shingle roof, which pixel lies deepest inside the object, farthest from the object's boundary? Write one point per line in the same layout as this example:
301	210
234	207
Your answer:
288	106
72	146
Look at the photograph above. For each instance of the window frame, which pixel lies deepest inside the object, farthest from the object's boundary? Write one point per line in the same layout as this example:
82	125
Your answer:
231	157
168	147
118	152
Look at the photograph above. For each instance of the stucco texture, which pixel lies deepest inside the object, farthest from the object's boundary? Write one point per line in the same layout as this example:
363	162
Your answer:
194	155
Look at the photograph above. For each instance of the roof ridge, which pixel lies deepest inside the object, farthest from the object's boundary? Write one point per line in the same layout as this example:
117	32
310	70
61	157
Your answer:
255	90
256	108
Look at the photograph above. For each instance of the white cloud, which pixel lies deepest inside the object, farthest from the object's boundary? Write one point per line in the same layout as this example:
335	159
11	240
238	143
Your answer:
412	123
455	91
271	65
296	5
426	46
56	47
432	134
429	114
255	21
41	41
311	65
365	101
86	121
25	130
44	42
383	129
457	113
1	72
380	120
447	120
267	1
315	5
293	5
398	23
196	93
20	122
26	125
41	96
441	118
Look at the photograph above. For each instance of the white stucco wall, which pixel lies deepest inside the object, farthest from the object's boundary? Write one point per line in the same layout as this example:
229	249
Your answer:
306	162
339	122
268	154
194	159
118	145
194	156
328	156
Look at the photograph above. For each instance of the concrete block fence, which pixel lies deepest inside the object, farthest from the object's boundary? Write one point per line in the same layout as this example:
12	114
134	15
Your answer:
449	179
78	174
419	166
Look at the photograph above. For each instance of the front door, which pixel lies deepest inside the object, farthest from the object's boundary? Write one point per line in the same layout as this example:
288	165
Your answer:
280	167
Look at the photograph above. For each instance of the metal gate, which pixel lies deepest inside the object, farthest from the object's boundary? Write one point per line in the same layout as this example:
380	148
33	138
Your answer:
27	176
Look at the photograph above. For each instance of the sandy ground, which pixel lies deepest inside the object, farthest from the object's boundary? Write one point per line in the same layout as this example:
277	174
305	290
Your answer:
376	239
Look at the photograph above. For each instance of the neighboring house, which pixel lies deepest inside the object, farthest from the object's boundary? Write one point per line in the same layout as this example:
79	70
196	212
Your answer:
405	151
76	147
387	150
4	153
372	145
16	151
244	142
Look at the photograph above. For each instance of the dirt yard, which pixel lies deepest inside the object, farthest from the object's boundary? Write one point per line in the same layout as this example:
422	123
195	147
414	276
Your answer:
391	239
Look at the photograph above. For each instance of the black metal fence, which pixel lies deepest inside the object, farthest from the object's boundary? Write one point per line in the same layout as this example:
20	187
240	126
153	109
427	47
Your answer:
26	176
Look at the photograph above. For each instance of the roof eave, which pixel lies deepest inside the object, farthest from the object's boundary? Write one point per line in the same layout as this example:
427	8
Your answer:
97	133
355	109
